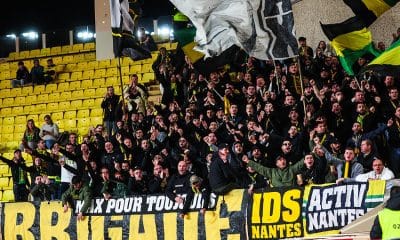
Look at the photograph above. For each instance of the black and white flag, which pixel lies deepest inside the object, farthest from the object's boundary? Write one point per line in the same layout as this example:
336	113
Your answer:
263	28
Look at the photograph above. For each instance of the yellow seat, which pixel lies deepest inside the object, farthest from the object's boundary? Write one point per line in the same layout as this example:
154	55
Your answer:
7	129
6	74
5	112
4	181
7	102
104	63
125	70
77	47
64	86
111	81
4	169
90	46
96	120
51	107
76	104
19	128
113	63
83	113
66	49
34	53
42	115
45	51
68	59
126	61
20	120
34	117
4	67
15	92
83	123
18	110
26	90
85	84
88	103
63	76
54	97
90	56
39	108
8	196
88	74
78	94
99	73
12	55
4	93
23	54
4	84
29	109
70	67
7	137
70	124
76	76
100	92
19	101
98	82
146	68
147	77
65	96
57	60
93	65
57	115
98	101
74	85
89	93
81	66
64	105
135	69
70	114
112	72
55	50
31	99
38	89
79	57
42	98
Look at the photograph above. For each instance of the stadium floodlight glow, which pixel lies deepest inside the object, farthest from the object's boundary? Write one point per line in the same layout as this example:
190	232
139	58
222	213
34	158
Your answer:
85	35
31	35
164	31
12	36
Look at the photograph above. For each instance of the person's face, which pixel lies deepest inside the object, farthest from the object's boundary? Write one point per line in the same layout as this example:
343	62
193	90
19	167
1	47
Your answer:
361	61
309	160
105	174
145	144
41	144
38	161
281	163
238	148
157	170
293	131
182	167
69	148
289	100
293	69
47	120
233	109
359	96
72	138
389	81
356	128
321	128
256	153
182	143
249	109
247	77
397	113
138	174
361	108
365	147
213	127
139	134
110	91
135	117
348	155
260	82
108	147
335	146
77	186
212	138
286	147
84	148
336	108
30	124
394	94
377	166
128	143
293	115
93	165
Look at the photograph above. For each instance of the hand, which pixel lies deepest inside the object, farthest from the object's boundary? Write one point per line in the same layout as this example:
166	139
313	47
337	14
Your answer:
65	208
181	215
340	180
390	122
106	196
178	199
202	211
80	217
245	159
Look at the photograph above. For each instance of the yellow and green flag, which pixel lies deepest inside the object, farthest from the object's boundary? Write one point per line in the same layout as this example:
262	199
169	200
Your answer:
388	62
351	40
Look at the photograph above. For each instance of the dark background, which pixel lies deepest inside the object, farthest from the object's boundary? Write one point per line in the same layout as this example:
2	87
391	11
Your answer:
45	15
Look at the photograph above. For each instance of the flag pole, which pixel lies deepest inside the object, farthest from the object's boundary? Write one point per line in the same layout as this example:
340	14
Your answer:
121	86
301	85
277	78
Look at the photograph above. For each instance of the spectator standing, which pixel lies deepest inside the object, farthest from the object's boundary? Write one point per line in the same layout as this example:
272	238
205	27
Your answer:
31	136
110	106
19	176
37	72
49	131
23	76
77	191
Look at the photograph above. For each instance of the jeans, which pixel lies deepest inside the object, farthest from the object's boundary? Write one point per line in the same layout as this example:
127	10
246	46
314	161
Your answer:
17	82
49	143
111	127
20	193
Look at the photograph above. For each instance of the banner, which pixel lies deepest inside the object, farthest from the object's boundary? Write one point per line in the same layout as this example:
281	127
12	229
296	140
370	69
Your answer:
316	210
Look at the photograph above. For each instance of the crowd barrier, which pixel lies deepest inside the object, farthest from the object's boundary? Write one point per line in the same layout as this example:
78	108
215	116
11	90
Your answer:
316	210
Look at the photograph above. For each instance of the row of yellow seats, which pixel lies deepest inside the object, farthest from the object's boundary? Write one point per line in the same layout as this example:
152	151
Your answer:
79	47
108	76
49	107
7	195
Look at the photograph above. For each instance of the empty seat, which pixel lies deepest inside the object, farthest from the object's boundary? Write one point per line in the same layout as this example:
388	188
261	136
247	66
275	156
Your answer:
23	54
89	93
42	98
85	84
54	97
93	65
4	181
77	47
88	74
7	129
98	82
7	137
4	93
38	89
57	115
20	120
64	105
39	108
112	72
135	69
104	63
70	114
51	107
34	53
15	92
111	81
78	94
99	73
113	63
64	96
19	128
126	61
70	124
79	57
88	103
45	51
63	76
26	90
66	49
84	113
74	85
18	110
147	68
83	123
30	99
90	46
76	104
100	92
96	112
12	55
125	70
5	112
64	86
7	102
4	84
70	67
76	76
19	101
96	120
68	59
126	80
8	196
81	66
29	109
57	60
55	50
34	117
4	170
147	77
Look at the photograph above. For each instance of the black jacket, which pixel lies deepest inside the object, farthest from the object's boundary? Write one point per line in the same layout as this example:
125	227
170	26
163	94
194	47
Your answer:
221	174
177	185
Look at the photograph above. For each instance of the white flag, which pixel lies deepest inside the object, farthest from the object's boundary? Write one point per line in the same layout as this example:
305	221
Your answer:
263	28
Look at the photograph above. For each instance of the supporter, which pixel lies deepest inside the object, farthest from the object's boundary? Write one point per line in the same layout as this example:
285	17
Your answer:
49	131
49	71
367	154
198	186
136	98
146	40
137	182
37	169
253	181
23	77
43	189
179	184
19	176
31	136
77	191
109	157
37	72
305	50
354	168
159	180
379	172
110	106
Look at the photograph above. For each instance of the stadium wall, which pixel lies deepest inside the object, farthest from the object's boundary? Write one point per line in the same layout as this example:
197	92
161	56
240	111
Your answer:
309	13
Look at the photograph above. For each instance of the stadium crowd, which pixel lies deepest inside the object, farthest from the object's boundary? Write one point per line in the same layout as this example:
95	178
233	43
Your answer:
251	124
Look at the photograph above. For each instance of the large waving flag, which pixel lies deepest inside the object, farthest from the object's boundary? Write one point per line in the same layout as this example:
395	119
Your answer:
264	29
351	40
369	10
388	63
